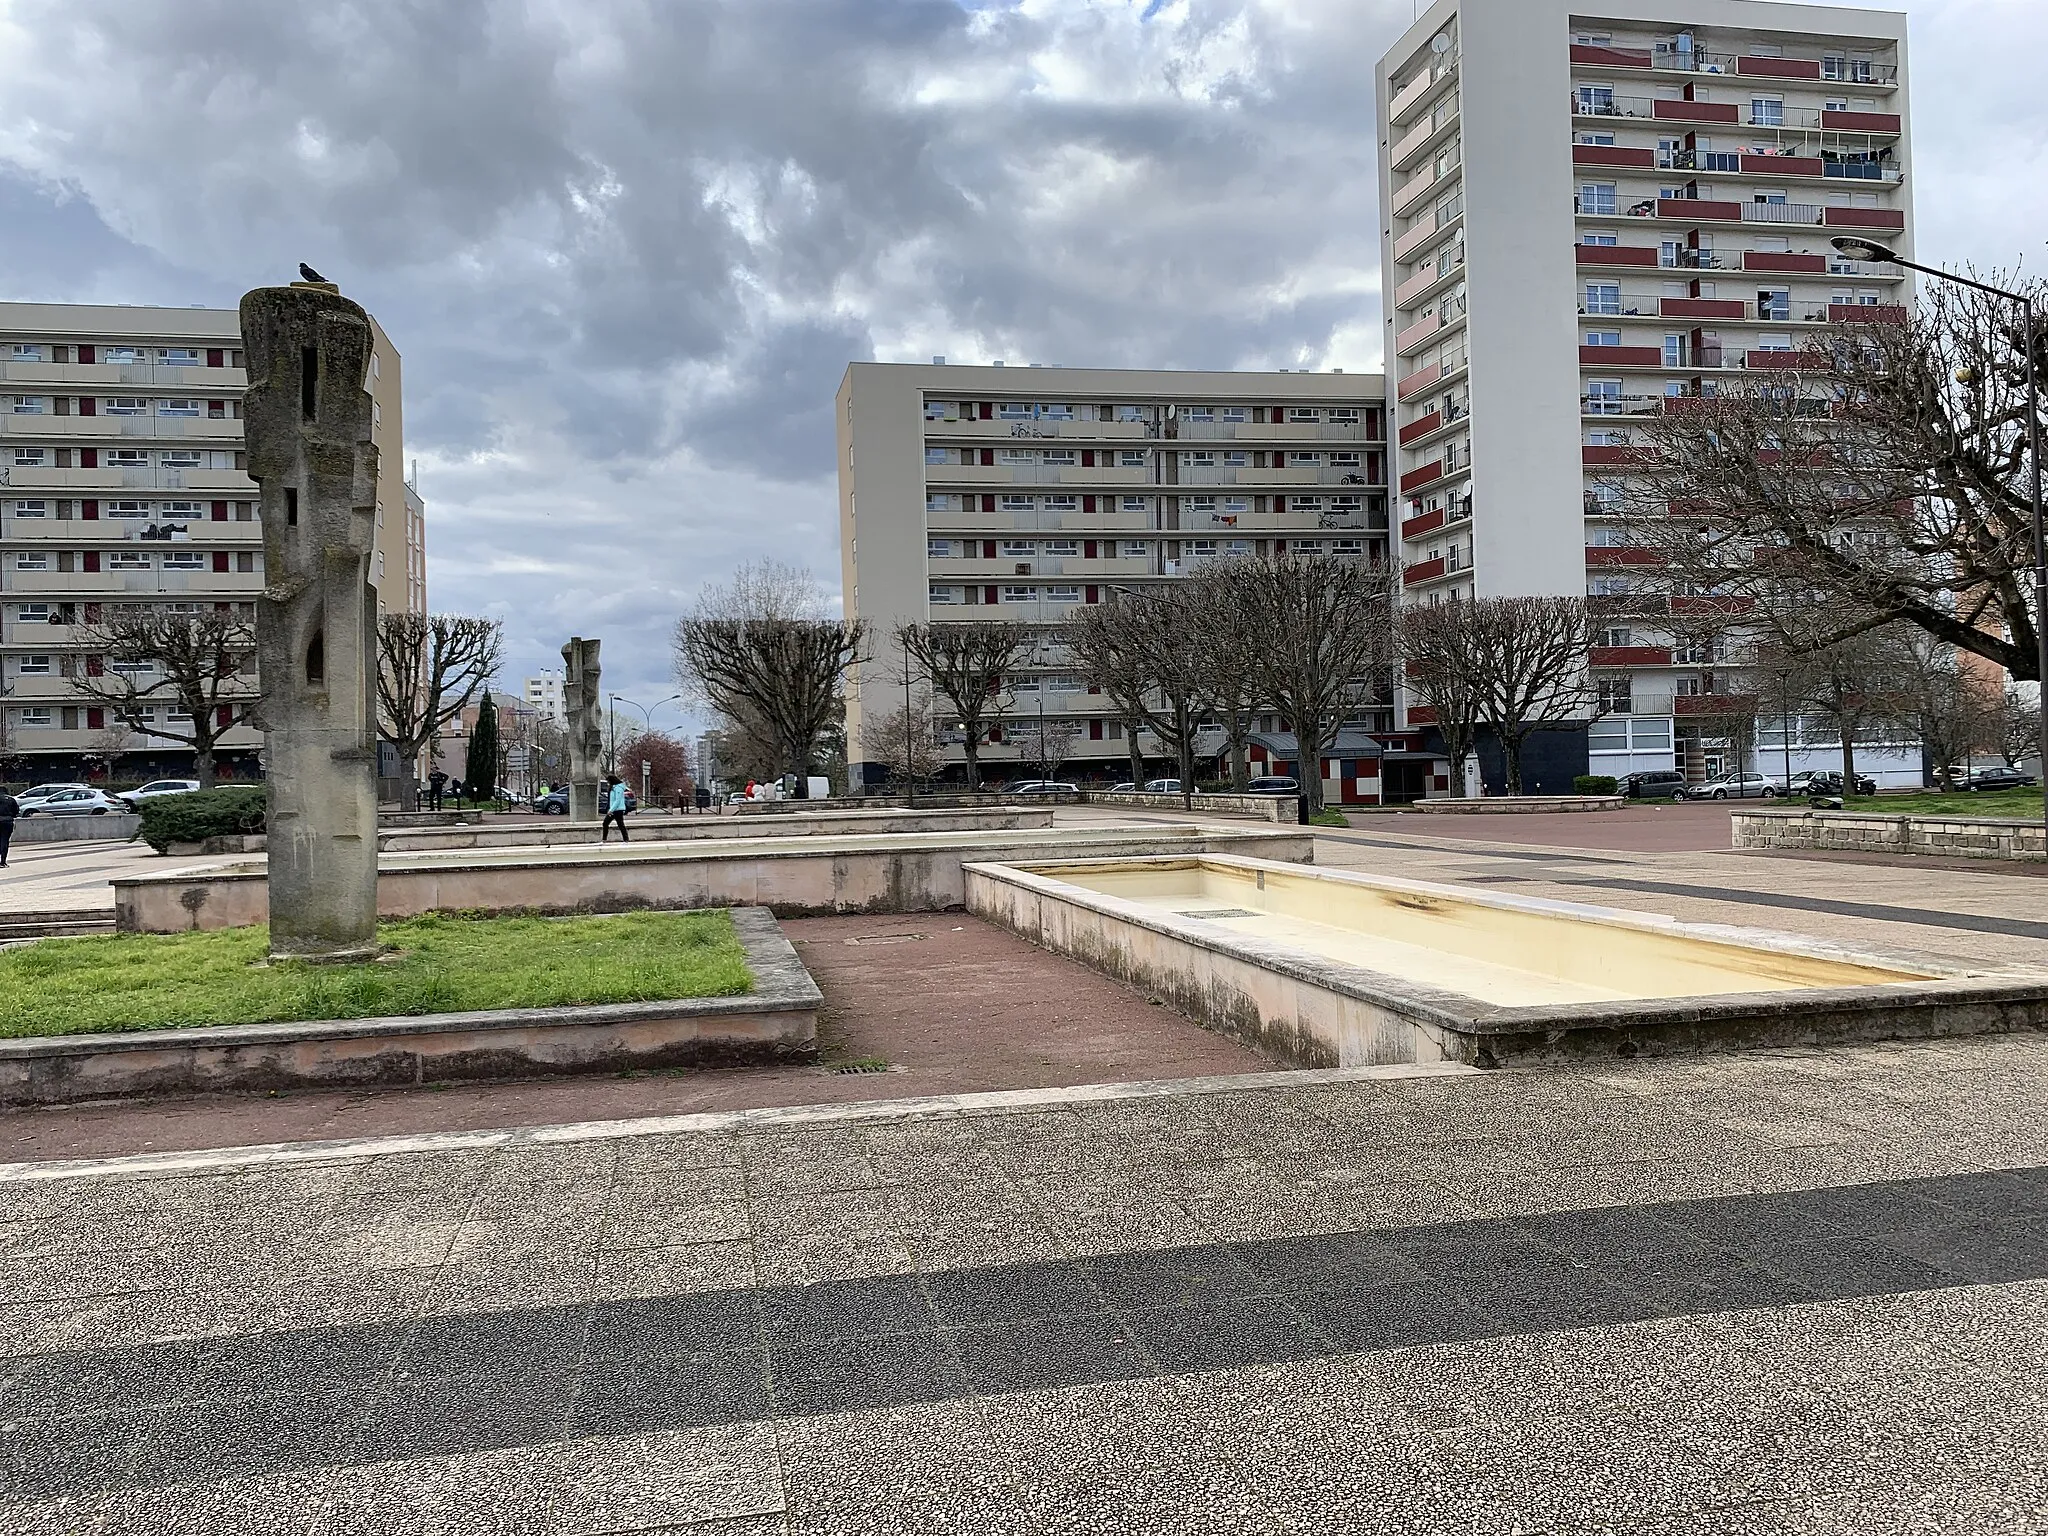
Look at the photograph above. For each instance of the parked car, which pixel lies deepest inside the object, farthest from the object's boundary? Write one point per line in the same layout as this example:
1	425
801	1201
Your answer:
73	802
1162	786
1998	778
1042	787
1125	788
29	797
157	787
1273	784
554	803
1733	786
1827	783
1654	784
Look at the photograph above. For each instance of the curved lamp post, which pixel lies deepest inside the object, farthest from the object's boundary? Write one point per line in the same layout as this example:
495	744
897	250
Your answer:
1870	250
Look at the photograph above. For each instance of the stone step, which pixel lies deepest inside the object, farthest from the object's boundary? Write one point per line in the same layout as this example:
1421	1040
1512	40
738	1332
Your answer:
16	927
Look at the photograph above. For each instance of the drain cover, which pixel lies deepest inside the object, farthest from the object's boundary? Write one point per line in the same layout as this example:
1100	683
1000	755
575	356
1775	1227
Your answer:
1216	912
886	938
860	1068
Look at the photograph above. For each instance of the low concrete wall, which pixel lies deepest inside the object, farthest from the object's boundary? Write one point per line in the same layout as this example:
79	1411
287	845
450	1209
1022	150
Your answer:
776	1022
559	832
430	818
1317	1012
902	872
1949	837
1265	807
1511	805
110	828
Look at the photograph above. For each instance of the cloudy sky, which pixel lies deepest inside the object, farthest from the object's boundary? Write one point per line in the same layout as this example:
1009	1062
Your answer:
627	247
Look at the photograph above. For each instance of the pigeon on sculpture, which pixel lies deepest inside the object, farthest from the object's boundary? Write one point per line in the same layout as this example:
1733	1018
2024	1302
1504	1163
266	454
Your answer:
309	274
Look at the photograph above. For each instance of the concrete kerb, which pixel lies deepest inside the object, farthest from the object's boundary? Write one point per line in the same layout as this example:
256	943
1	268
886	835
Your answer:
1952	837
775	1022
1322	1013
110	828
956	1106
1518	805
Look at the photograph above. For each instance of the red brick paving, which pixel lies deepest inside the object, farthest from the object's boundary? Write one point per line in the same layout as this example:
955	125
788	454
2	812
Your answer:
961	1008
1657	826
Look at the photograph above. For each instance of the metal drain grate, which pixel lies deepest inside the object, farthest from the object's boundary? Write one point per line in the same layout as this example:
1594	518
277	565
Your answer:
886	938
1215	912
860	1068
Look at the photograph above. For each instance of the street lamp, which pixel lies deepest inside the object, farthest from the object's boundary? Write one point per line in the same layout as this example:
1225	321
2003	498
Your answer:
1870	250
646	726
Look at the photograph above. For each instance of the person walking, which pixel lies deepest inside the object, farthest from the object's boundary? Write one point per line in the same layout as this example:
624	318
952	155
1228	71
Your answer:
614	809
10	808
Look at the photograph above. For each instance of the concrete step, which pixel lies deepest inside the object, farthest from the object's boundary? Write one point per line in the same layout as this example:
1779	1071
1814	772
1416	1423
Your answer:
18	927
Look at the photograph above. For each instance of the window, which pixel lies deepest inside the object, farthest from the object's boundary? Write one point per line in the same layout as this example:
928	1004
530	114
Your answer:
181	357
120	354
1065	684
1130	413
1014	410
1774	341
31	456
33	613
942	594
27	352
177	407
1603	338
127	560
937	456
1605	537
1597	197
1303	413
1199	460
1134	504
1348	547
1020	594
1130	458
1606	437
1016	503
939	549
36	666
1615	638
1062	503
1607	586
38	561
36	718
1767	111
1061	456
175	509
184	560
1603	397
1603	298
1595	100
128	458
1236	504
182	458
31	509
1198	413
1236	413
1062	547
941	501
127	405
1136	549
938	410
1599	237
28	405
1236	458
1063	594
1674	350
1198	504
125	508
1596	140
1307	546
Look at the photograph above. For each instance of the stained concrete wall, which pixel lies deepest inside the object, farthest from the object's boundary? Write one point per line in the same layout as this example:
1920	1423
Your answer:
1950	837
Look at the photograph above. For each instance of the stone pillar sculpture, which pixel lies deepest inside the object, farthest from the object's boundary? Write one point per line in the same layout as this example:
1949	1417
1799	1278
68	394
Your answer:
309	450
582	707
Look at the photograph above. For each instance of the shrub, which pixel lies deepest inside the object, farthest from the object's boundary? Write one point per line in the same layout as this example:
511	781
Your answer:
1596	784
1328	818
194	818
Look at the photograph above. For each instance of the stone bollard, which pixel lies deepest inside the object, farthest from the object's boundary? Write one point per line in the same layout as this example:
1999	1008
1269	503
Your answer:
311	454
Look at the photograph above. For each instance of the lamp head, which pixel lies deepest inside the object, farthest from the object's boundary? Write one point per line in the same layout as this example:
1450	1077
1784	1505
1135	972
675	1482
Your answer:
1863	250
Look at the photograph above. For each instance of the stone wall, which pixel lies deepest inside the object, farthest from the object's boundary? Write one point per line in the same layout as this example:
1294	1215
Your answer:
1265	807
1510	805
1950	837
110	828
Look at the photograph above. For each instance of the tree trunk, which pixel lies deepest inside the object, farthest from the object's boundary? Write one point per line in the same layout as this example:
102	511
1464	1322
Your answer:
1308	768
972	748
1187	768
1458	775
1131	729
1511	750
202	765
1240	760
1848	763
409	781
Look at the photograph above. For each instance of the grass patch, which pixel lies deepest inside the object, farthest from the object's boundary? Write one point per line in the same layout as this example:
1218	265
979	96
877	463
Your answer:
443	964
2017	804
1328	818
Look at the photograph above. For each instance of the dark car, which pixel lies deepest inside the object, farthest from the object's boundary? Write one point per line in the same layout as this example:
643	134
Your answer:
1273	784
1043	787
556	802
1998	778
1654	784
1827	784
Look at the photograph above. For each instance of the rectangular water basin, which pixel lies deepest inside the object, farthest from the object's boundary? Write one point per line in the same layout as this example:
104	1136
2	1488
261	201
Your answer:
1336	968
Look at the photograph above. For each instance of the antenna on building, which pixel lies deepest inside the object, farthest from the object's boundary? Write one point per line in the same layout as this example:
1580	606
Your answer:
938	362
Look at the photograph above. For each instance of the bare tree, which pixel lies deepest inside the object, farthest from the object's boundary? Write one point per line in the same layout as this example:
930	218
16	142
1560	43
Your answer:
1105	651
907	740
1533	674
1885	473
2018	730
1145	635
1954	710
429	670
1229	673
1046	743
1859	684
1322	631
1445	672
967	663
183	677
764	647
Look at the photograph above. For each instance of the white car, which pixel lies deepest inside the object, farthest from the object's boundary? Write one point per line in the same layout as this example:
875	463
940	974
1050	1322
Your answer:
157	787
41	792
73	802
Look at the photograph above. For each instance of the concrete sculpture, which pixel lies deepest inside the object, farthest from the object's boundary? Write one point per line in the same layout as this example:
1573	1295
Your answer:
582	707
311	454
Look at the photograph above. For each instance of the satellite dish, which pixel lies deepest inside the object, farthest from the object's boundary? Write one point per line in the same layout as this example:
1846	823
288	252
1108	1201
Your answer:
1441	43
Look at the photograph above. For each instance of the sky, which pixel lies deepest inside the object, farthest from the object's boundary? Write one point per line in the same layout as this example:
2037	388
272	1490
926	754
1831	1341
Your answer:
628	247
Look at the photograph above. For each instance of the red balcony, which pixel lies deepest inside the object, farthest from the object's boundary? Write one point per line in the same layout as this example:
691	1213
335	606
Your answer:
1421	714
1606	457
1416	383
1698	208
1891	219
1408	340
1860	122
1713	704
1868	314
1609	555
1416	527
1621	357
1782	261
1701	309
1616	255
1779	69
1770	360
1784	165
1415	479
1422	426
1628	656
1613	154
1723	605
1611	58
1696	111
1422	570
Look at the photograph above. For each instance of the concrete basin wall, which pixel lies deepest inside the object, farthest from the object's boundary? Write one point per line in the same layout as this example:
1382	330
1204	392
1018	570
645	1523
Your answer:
559	832
114	827
790	875
776	1022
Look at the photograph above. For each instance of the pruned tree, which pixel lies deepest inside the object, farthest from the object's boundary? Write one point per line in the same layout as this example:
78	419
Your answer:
1883	478
967	664
1858	684
906	739
1322	632
764	648
1107	655
430	668
178	676
1145	633
1532	669
1444	673
1229	673
667	765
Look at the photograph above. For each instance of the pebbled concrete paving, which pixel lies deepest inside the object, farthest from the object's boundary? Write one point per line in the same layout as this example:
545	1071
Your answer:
1800	1291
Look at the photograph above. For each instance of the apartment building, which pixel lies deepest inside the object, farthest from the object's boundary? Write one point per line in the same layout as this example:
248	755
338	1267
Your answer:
544	697
1591	215
1024	494
123	480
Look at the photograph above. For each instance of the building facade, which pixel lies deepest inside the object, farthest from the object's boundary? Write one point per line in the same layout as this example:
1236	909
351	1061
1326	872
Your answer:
123	480
544	697
1588	214
1023	494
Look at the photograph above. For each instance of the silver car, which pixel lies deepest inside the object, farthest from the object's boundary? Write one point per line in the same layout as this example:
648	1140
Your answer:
73	802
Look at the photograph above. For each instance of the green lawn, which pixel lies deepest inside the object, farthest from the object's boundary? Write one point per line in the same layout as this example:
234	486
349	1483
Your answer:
2019	804
440	964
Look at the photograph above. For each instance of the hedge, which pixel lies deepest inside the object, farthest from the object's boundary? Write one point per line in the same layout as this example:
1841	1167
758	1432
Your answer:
193	818
1596	784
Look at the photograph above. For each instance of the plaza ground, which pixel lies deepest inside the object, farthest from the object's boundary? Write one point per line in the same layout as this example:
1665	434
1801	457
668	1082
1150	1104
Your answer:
1781	1291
